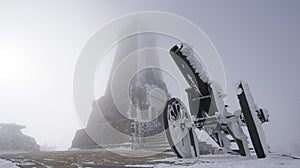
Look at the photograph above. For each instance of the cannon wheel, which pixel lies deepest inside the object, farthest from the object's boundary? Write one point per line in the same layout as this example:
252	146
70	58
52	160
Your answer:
251	125
180	130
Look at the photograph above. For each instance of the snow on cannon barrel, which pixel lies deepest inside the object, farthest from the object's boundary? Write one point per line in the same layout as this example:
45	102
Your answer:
208	112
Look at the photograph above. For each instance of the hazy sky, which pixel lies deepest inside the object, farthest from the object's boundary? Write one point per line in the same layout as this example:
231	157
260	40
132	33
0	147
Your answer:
40	42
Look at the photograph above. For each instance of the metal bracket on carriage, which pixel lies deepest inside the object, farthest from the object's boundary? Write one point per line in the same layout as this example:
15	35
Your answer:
253	117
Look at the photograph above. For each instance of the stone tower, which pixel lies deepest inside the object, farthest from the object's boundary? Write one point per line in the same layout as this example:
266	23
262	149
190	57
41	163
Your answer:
105	115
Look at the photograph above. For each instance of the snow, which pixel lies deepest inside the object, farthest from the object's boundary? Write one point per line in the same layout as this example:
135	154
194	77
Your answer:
194	62
204	137
23	162
7	164
26	164
232	161
274	160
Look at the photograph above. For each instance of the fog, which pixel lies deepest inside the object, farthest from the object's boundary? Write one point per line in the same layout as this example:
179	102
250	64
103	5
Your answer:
40	42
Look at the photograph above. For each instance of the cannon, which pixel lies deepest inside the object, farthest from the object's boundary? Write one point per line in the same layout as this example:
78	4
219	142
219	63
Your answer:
207	111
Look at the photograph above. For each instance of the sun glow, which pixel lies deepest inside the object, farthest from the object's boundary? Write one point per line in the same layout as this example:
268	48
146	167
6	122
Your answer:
12	69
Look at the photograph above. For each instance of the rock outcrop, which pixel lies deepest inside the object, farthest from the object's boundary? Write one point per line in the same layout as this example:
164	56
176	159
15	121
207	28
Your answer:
12	139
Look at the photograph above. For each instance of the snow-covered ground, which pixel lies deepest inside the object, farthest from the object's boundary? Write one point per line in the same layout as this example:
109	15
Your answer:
231	161
103	158
7	164
225	161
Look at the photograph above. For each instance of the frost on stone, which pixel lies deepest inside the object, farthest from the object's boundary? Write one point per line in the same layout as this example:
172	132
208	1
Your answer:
12	139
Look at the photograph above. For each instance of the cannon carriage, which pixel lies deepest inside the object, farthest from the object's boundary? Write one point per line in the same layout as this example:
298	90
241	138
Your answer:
207	111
